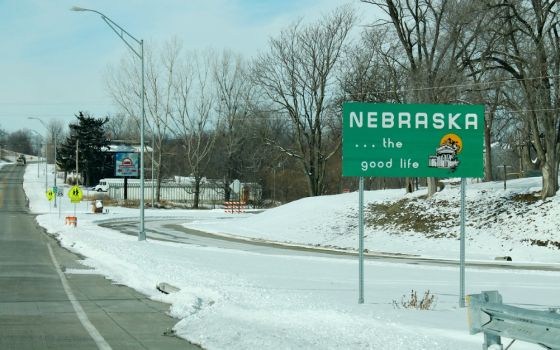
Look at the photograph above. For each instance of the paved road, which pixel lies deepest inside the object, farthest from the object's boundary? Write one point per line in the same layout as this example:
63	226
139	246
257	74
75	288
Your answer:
42	307
171	230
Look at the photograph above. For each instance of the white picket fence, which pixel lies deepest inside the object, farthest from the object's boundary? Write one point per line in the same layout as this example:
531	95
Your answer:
170	191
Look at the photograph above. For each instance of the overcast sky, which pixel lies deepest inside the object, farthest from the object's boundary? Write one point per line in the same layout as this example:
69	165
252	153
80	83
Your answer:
53	60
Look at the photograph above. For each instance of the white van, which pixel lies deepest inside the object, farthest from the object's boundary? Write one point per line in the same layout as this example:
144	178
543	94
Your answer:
102	186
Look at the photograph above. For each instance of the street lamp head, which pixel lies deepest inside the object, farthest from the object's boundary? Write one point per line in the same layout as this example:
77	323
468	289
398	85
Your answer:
82	9
40	120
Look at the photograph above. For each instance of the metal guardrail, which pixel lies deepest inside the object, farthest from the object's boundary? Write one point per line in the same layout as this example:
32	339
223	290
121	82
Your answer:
487	314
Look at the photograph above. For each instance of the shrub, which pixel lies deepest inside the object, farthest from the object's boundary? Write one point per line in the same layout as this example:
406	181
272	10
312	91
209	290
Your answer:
427	302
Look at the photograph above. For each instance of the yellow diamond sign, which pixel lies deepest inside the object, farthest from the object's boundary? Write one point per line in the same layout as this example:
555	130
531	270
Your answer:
50	194
75	194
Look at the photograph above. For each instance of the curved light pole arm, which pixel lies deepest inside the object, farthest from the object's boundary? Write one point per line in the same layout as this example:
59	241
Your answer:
40	120
120	31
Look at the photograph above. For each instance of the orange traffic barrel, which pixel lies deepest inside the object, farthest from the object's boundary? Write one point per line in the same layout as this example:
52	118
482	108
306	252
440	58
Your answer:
71	220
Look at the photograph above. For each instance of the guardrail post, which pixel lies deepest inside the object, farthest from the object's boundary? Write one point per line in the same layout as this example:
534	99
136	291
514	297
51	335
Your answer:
491	340
488	315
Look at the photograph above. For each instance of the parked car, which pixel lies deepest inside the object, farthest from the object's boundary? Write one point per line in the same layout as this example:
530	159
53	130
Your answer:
20	161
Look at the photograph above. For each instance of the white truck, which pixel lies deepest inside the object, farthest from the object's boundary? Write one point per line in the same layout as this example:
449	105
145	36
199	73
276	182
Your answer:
104	184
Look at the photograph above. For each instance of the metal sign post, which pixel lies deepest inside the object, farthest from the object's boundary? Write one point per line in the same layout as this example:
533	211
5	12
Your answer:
462	248
59	194
50	196
413	140
361	241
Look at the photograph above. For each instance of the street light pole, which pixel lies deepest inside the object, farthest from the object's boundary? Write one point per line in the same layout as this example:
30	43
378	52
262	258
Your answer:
38	159
38	151
46	149
126	37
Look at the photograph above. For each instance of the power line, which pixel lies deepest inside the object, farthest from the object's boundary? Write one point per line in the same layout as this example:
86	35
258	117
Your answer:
57	103
462	85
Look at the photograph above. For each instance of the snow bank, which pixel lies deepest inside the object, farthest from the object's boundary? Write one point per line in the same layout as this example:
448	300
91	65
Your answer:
235	299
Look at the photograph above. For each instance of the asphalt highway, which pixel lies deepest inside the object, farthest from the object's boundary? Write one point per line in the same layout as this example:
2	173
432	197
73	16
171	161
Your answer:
44	307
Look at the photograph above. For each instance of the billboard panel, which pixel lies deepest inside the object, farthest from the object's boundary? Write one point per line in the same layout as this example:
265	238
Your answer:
126	164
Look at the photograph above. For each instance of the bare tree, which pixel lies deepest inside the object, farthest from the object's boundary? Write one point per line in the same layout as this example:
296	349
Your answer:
55	135
528	49
160	73
434	35
122	127
20	141
194	98
373	69
233	95
297	74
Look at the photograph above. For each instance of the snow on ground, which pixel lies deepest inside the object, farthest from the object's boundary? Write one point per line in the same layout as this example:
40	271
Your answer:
500	222
232	299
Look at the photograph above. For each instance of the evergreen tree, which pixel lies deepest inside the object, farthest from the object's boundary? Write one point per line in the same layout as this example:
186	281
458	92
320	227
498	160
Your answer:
90	134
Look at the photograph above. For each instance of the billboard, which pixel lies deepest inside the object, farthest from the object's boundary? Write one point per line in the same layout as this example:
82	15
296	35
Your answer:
126	164
412	140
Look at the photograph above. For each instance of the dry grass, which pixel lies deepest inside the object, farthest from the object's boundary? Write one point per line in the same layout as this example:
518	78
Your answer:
526	197
427	302
543	243
408	215
435	217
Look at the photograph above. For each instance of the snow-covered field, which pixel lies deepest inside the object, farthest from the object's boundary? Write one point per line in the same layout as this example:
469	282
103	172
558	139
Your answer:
233	299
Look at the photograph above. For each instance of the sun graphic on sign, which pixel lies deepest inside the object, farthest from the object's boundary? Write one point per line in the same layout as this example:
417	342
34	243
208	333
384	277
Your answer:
452	140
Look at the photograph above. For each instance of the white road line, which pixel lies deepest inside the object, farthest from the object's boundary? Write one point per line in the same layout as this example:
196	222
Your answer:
90	328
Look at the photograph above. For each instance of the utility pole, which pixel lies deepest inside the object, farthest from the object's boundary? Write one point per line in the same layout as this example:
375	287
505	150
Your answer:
38	158
56	194
46	171
55	162
153	146
77	168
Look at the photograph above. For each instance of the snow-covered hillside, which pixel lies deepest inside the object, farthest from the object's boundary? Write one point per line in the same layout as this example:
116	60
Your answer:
512	222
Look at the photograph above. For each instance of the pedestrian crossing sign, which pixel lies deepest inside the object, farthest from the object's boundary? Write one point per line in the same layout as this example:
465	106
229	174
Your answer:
75	194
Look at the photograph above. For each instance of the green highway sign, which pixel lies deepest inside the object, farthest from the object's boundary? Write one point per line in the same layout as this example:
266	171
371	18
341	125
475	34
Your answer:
412	140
